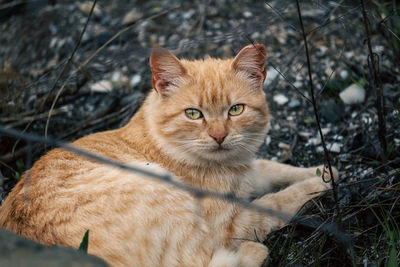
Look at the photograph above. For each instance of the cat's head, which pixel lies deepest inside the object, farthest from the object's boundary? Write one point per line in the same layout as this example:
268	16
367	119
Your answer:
210	110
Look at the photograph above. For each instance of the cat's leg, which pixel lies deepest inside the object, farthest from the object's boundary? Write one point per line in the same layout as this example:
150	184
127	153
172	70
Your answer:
251	224
267	174
249	254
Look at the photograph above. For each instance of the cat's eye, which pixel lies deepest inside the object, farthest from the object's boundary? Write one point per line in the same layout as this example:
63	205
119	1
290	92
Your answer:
236	109
193	114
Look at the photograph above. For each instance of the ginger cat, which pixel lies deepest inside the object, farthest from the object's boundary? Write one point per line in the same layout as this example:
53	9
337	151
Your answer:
202	123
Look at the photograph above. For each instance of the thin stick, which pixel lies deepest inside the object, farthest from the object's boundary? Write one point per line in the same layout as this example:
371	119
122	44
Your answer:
64	69
95	54
377	86
327	158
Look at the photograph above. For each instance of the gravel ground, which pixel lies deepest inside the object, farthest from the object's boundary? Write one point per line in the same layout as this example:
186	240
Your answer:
104	82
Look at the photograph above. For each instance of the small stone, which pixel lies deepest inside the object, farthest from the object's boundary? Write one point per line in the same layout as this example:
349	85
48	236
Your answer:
135	80
294	103
247	14
188	14
344	74
116	76
349	55
314	141
268	140
131	17
353	94
119	78
379	49
280	99
103	86
335	147
325	130
283	146
323	49
298	84
305	134
255	35
271	75
85	8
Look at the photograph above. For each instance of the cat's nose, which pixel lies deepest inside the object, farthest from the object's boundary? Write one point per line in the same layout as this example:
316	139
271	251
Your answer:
219	137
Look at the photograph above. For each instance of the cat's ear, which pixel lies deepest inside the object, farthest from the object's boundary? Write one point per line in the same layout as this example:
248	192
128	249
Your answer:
167	70
251	62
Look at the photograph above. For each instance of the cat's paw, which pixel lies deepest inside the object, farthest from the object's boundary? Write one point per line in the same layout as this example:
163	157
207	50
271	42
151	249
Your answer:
252	254
323	171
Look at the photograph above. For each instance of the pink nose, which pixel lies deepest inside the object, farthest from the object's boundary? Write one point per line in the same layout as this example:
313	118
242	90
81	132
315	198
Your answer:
219	136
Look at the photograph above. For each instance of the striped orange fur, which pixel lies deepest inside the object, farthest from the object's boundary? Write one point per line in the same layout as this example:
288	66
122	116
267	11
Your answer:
137	221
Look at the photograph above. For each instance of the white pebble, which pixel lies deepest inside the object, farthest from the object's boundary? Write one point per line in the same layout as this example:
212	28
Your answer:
247	14
131	17
116	76
354	94
135	80
298	84
305	134
103	86
344	74
271	75
268	140
294	103
349	55
323	49
314	140
335	147
280	99
325	130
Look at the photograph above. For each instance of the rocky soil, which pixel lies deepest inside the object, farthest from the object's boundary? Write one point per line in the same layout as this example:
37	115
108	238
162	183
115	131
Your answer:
101	84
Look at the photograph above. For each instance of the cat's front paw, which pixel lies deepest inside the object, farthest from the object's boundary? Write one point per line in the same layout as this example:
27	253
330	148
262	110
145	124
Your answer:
323	171
252	254
316	185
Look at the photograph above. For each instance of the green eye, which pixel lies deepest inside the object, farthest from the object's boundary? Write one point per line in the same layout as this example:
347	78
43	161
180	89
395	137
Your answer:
193	114
236	110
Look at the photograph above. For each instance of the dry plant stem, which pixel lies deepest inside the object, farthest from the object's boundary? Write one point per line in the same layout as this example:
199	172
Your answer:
281	73
327	158
71	56
65	67
95	54
377	86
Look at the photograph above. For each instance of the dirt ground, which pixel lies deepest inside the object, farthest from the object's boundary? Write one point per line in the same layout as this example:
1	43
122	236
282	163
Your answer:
55	82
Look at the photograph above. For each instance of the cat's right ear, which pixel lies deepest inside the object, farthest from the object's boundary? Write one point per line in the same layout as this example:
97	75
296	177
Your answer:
167	71
251	62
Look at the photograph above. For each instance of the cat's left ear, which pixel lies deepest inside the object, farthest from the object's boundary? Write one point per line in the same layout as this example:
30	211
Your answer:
251	62
167	71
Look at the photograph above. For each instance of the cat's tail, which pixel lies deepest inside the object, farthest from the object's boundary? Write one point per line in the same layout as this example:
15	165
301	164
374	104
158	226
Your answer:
249	254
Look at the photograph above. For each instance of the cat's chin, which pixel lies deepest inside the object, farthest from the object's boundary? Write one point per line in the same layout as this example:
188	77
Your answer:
226	156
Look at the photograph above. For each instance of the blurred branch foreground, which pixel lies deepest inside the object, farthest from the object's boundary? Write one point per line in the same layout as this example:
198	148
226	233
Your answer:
82	67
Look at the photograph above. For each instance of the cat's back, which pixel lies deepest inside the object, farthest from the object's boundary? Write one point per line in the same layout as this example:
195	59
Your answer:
64	194
62	182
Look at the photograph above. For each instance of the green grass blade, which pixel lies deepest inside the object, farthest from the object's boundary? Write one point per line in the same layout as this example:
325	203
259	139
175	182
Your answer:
85	242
